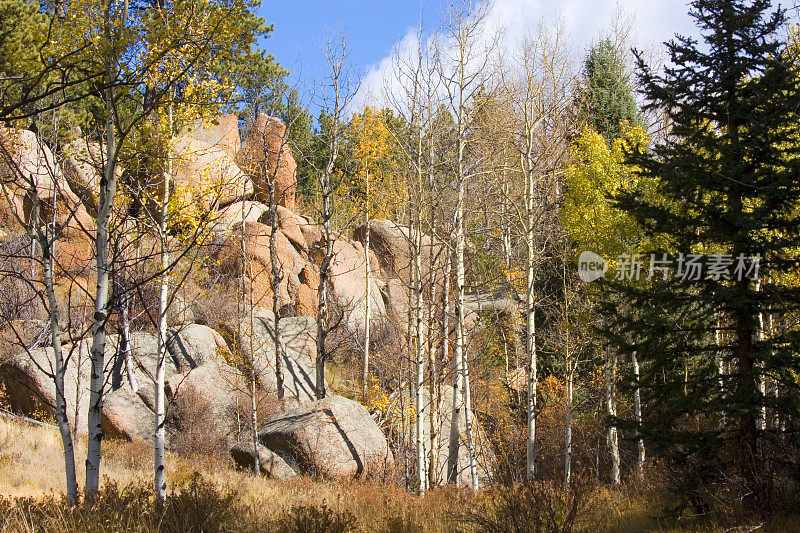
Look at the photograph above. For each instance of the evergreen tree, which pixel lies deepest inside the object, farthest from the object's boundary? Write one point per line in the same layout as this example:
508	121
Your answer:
728	186
607	93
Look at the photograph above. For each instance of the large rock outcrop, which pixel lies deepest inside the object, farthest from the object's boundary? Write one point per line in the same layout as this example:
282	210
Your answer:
237	213
267	158
269	463
28	172
28	165
222	132
256	262
194	345
207	174
330	438
393	245
348	296
298	342
28	379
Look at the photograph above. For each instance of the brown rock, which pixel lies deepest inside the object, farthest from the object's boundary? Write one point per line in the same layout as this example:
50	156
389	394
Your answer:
28	165
206	174
194	345
298	338
11	210
222	132
267	157
312	232
348	296
83	168
216	386
307	301
257	262
391	242
330	438
269	463
237	213
289	224
126	416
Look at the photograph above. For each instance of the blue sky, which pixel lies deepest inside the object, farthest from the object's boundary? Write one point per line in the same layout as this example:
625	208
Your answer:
374	27
370	26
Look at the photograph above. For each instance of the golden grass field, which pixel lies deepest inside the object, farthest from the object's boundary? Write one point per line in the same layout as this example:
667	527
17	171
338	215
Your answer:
31	471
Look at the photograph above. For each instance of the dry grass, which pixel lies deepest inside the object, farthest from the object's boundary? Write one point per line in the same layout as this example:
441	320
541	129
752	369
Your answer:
31	465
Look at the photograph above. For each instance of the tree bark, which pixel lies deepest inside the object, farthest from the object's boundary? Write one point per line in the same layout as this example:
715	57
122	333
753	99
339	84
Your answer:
530	317
637	416
368	302
611	411
46	242
163	302
108	187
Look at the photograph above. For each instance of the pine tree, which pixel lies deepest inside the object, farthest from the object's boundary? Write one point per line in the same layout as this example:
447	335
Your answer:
607	93
727	183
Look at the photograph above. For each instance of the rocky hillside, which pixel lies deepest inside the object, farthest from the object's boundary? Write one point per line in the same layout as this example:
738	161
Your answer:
217	335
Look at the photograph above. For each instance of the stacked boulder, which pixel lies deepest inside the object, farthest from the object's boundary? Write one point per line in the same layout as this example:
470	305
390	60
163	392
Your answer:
235	182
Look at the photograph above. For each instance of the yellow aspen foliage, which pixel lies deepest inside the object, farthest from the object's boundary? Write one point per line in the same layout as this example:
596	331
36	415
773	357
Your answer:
372	151
597	173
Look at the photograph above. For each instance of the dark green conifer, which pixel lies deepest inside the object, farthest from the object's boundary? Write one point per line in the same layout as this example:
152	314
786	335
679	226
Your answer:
728	182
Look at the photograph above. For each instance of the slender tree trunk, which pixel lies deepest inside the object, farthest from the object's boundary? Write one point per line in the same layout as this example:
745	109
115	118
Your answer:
433	389
461	363
762	380
125	345
248	307
275	284
458	352
46	243
108	187
568	438
530	315
570	366
163	301
720	368
611	411
419	345
637	416
368	303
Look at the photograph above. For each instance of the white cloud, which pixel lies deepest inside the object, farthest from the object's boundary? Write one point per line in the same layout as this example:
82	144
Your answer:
654	21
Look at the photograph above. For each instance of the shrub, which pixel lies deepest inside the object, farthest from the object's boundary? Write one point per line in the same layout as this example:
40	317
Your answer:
313	519
199	506
541	507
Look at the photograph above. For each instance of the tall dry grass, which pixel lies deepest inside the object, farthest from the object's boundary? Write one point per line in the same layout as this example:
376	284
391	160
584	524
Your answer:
207	494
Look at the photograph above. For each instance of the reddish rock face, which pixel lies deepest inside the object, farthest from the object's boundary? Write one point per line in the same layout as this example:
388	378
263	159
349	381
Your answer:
333	438
208	172
221	132
267	158
30	164
258	267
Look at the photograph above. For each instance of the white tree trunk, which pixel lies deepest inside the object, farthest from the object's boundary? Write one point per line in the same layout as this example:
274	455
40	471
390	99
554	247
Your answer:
637	415
720	368
461	363
367	309
568	437
530	322
108	187
158	443
458	387
762	380
46	242
611	411
125	342
419	352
